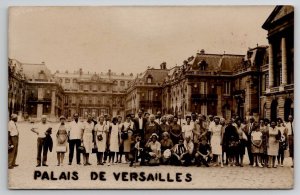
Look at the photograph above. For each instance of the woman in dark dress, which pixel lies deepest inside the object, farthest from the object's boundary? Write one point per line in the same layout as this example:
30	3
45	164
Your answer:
175	131
231	140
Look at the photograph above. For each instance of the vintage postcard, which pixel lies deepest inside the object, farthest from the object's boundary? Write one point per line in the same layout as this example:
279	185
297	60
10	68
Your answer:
151	97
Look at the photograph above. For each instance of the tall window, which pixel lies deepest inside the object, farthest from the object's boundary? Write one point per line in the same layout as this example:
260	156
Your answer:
227	88
267	81
203	88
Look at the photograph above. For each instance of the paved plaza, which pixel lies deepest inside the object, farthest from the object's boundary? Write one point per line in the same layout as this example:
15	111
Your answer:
201	177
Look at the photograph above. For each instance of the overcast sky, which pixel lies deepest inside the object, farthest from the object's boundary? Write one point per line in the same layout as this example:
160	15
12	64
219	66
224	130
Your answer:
128	39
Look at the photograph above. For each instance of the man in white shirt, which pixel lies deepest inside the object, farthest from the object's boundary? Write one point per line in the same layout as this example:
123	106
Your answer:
187	129
13	140
290	132
75	133
41	130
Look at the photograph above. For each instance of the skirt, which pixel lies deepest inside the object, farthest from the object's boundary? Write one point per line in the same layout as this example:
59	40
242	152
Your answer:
255	149
273	146
88	142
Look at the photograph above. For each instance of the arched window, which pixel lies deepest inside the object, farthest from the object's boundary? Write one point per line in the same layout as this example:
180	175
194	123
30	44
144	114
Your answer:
122	83
67	81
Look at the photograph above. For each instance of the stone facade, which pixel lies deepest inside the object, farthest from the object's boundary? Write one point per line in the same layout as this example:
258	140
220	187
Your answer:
86	92
277	96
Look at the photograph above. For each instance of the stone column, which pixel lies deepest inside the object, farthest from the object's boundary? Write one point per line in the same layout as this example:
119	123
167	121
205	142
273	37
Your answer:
188	98
284	61
52	113
39	111
219	105
271	66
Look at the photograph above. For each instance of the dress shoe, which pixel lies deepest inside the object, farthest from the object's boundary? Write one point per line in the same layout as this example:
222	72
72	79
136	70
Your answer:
45	165
15	165
10	167
70	163
38	165
79	163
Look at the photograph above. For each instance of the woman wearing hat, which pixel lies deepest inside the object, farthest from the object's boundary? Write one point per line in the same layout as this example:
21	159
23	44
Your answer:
154	150
166	146
61	140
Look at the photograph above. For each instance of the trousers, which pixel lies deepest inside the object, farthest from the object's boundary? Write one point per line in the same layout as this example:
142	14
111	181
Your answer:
12	155
41	151
74	144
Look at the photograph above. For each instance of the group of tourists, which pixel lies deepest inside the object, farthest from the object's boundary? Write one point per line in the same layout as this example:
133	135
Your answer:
148	139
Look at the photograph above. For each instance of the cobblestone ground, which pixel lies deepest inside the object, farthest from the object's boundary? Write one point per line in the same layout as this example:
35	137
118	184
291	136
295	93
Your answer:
22	177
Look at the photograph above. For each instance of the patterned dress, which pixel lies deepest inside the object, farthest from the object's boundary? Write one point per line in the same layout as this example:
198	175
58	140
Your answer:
216	139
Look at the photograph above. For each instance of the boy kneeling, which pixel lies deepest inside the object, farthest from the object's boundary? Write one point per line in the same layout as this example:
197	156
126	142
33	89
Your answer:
203	155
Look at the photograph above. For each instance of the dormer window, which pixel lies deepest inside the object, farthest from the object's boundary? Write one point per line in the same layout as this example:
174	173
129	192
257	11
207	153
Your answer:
202	65
149	79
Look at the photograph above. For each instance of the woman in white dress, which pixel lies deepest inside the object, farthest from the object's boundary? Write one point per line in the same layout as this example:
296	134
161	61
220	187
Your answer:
87	139
216	138
101	131
114	140
273	137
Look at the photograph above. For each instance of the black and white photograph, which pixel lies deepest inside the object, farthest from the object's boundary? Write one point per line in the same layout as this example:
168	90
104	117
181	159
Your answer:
150	97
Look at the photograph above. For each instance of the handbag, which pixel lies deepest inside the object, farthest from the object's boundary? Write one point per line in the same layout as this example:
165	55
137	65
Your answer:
81	149
124	135
94	150
100	137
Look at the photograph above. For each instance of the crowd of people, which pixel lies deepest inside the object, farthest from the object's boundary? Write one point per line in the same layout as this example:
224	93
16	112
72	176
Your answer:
151	140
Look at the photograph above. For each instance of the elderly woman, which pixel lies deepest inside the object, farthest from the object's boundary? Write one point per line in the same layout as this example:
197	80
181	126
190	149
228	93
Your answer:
166	146
87	139
153	150
151	127
164	126
101	131
61	138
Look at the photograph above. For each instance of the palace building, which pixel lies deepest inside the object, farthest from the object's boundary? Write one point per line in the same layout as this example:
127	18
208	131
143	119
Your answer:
278	74
95	93
259	83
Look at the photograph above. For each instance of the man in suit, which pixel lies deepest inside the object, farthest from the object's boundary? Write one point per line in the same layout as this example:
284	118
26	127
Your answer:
140	123
248	129
158	117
